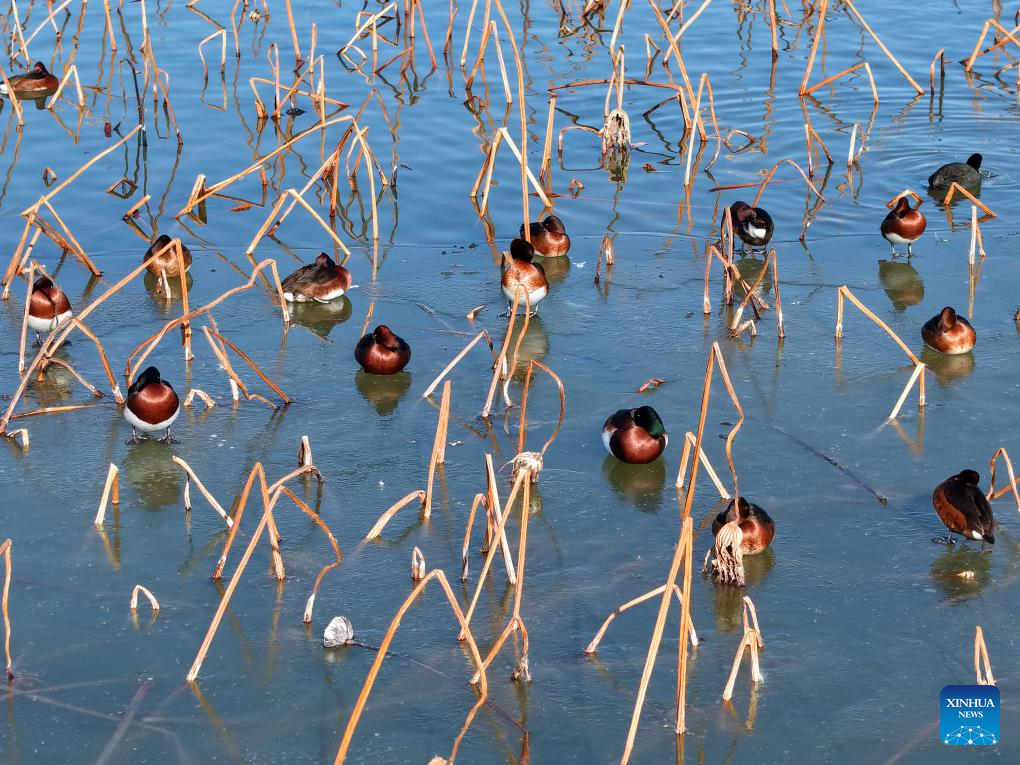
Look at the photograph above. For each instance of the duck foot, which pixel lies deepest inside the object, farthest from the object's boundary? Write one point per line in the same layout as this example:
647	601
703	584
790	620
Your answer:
168	439
135	438
943	541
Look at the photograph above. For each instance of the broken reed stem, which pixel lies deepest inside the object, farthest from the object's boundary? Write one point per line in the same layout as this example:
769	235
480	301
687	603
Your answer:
685	457
679	554
593	646
1011	486
957	187
249	362
111	493
844	291
151	598
492	489
219	351
456	360
918	373
71	178
151	343
224	602
683	545
753	643
480	499
522	429
5	551
392	511
768	177
819	13
885	50
981	657
438	447
491	553
366	689
191	476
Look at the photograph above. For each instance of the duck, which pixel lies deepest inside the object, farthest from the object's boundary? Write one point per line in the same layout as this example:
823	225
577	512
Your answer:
48	307
548	237
36	81
903	225
963	508
757	526
967	174
320	281
948	332
152	405
166	257
522	272
753	225
636	436
380	352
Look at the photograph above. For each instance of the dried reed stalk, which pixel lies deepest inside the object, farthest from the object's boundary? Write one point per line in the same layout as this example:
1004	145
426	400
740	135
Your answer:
446	370
918	373
225	600
683	550
307	618
74	176
768	177
1007	36
981	657
844	291
685	457
417	564
833	78
151	598
976	245
681	553
819	12
392	511
751	641
191	476
593	646
522	671
438	449
111	493
366	689
249	362
850	6
72	71
5	551
1011	486
480	499
492	490
15	101
957	187
203	192
150	343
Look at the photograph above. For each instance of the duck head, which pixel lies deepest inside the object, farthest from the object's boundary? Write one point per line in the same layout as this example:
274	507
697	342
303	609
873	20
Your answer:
647	418
974	160
522	250
554	224
947	319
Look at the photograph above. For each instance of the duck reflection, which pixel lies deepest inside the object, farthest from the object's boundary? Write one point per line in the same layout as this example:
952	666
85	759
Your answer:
154	287
321	317
640	485
149	469
56	385
948	368
902	283
959	559
729	600
382	391
535	344
750	268
556	269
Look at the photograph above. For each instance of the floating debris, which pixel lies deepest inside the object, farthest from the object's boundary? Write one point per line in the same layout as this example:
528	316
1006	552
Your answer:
338	633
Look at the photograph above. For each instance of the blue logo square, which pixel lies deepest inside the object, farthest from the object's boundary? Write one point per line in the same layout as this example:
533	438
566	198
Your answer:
969	715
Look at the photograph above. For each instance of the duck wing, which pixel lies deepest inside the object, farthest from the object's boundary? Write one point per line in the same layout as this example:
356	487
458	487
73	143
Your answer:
300	278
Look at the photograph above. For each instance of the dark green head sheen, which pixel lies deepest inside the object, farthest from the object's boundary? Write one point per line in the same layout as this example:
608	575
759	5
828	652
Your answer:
649	419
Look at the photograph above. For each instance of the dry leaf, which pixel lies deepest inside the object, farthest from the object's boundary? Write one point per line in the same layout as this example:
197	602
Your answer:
653	382
241	207
648	168
473	313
